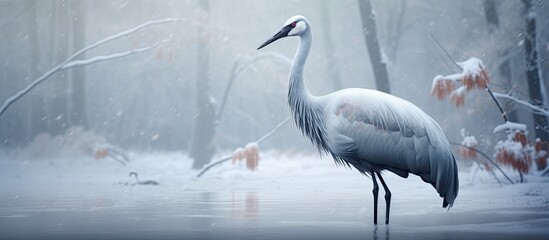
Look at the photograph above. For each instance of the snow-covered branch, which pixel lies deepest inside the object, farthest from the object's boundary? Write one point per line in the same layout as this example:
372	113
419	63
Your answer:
510	126
473	75
103	41
275	129
523	103
126	33
78	63
255	144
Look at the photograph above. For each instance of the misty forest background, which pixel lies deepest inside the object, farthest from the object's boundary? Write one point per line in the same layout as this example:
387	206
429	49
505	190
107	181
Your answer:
171	97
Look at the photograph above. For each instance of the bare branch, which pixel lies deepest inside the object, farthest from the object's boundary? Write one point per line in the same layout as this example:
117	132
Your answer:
128	32
259	141
42	78
275	129
503	113
446	52
78	63
488	158
240	66
523	103
265	55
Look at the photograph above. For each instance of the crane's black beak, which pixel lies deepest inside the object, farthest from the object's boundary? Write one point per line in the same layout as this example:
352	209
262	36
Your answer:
281	34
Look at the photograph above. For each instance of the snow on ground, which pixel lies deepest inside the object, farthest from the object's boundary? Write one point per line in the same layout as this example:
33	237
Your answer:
290	196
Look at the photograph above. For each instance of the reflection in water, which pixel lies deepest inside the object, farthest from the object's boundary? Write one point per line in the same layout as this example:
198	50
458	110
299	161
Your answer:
244	207
386	232
202	207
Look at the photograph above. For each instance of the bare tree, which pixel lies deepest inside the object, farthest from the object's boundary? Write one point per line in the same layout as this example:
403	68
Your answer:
370	36
492	20
491	15
395	29
201	149
32	120
76	109
57	98
331	58
70	62
533	73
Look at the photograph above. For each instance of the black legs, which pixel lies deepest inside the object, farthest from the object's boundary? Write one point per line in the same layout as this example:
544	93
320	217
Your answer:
375	192
387	196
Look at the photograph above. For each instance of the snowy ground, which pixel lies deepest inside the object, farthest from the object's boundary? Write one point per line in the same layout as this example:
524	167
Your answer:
290	197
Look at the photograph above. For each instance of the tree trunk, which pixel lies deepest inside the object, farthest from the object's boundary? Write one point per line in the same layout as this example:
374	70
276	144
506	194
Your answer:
56	109
33	117
370	36
202	149
491	15
77	110
395	22
533	71
492	20
506	75
331	60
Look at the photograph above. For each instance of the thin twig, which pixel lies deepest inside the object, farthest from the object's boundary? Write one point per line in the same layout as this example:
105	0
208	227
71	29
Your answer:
503	114
524	103
478	162
226	93
238	69
486	156
259	141
446	52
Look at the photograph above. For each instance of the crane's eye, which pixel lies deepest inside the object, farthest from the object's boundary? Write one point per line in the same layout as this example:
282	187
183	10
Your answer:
293	24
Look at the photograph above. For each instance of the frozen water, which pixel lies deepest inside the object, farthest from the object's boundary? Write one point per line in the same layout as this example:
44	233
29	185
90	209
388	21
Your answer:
289	197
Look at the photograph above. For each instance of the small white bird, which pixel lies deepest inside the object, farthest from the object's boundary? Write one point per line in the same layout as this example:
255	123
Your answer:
370	130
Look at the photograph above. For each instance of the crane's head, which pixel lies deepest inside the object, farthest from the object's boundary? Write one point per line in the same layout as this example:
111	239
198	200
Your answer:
295	26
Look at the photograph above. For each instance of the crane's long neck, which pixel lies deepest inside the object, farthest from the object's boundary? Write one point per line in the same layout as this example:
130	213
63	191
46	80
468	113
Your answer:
297	86
306	108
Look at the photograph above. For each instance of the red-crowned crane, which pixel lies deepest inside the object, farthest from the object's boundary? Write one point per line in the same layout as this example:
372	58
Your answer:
370	130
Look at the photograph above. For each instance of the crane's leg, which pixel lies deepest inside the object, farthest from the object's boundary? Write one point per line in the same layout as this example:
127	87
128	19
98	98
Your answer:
375	192
387	197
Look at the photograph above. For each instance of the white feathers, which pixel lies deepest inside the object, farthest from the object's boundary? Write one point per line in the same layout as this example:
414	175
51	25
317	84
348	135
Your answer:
300	25
385	109
385	132
294	19
299	28
370	130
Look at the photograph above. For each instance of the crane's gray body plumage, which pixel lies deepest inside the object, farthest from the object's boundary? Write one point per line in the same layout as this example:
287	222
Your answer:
371	130
374	131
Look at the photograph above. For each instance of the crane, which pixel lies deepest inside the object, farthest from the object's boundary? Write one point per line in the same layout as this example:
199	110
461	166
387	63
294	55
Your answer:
368	129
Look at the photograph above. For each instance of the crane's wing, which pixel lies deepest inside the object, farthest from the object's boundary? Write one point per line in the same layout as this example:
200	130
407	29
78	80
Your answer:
376	131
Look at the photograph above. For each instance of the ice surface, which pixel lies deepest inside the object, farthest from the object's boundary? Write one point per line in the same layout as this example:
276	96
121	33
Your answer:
289	197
